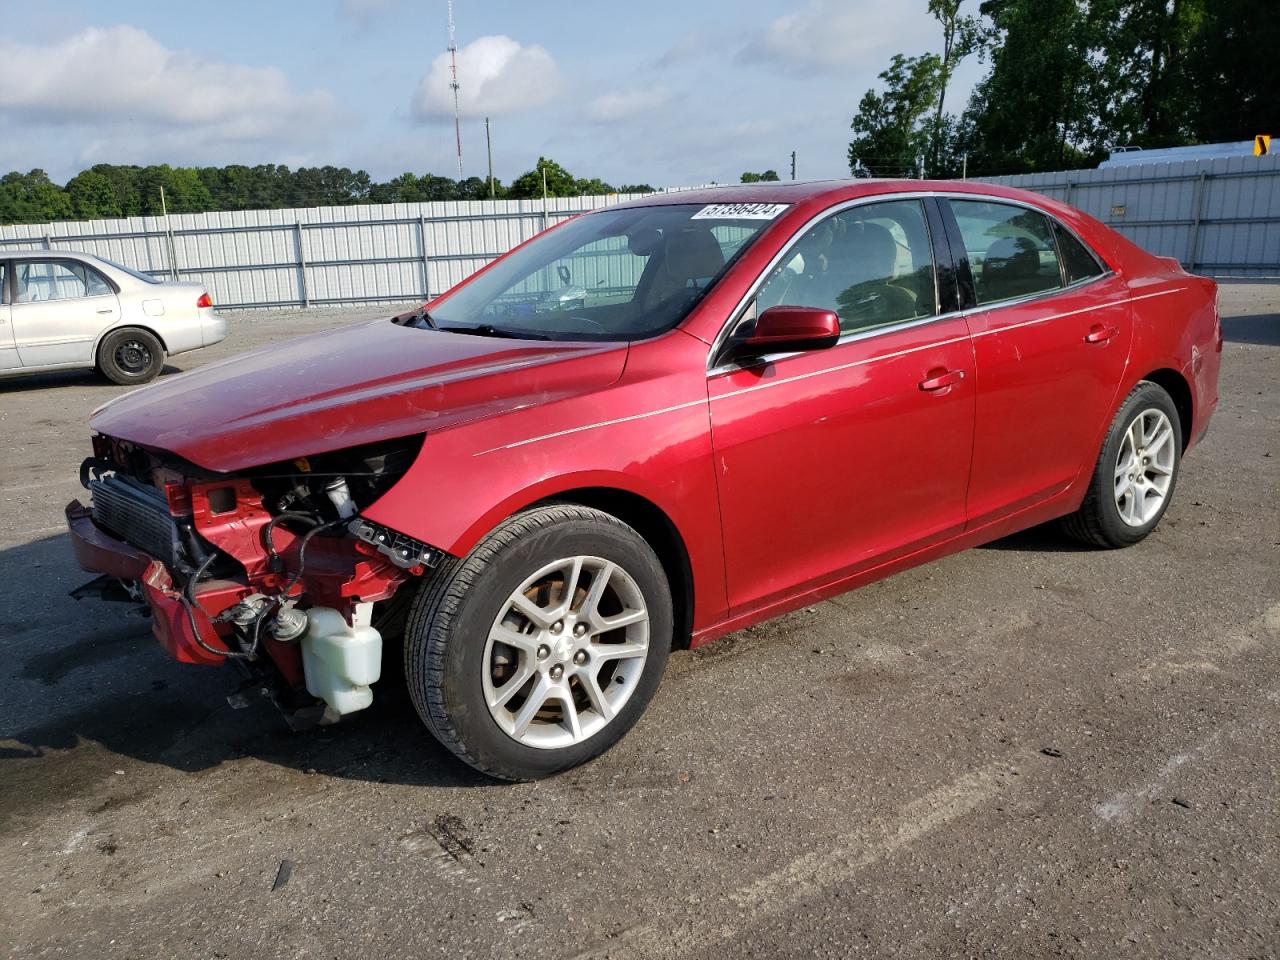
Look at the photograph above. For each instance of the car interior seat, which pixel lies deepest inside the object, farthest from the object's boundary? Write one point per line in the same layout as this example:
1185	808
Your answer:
863	261
690	258
1011	268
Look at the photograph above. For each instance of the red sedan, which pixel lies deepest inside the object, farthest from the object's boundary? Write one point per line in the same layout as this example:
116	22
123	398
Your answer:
642	429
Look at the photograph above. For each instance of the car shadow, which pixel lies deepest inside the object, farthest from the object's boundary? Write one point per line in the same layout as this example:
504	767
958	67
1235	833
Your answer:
90	671
20	383
1263	329
1046	538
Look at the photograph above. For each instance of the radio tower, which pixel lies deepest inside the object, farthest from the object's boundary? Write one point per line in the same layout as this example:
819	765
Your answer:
453	83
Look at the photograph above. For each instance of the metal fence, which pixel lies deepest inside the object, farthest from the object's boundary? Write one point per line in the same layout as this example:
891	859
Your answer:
322	255
1220	217
1217	217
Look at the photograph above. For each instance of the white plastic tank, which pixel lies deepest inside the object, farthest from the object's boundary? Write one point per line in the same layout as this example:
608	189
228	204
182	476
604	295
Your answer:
341	660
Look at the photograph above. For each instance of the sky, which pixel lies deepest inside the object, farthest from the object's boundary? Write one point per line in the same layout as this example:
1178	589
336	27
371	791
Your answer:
650	91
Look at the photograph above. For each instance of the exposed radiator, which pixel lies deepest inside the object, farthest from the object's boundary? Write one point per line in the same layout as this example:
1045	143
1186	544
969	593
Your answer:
138	514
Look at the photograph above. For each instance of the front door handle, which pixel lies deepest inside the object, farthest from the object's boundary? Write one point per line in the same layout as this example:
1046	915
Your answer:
941	380
1100	334
106	311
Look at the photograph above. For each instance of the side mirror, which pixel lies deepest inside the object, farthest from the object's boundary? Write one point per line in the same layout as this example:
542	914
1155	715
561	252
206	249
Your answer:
785	329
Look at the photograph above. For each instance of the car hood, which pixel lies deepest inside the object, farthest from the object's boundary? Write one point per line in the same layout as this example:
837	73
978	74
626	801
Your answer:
348	386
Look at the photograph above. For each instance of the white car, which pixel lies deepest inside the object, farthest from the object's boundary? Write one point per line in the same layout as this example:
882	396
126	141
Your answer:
60	310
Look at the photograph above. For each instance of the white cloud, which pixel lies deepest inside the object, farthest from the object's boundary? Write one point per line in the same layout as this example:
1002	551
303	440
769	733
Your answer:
625	104
496	74
838	34
121	74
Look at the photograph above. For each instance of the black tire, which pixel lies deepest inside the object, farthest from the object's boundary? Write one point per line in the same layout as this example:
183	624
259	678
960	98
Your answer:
454	611
1098	521
130	356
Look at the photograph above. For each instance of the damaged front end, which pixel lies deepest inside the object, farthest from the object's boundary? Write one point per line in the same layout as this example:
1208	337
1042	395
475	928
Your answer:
273	568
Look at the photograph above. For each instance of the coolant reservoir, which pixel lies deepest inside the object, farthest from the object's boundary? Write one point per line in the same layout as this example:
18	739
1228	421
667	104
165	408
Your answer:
341	660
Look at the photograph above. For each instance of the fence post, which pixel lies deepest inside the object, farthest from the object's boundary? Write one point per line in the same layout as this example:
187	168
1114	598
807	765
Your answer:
1194	247
48	242
1066	197
426	262
302	265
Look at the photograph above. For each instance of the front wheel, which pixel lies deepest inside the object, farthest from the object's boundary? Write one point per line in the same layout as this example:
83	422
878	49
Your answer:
1136	472
543	646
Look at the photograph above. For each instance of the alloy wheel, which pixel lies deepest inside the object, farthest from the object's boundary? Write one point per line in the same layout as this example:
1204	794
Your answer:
1144	467
565	652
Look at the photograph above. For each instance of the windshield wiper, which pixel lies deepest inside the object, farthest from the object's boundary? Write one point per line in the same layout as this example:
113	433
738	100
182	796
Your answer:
489	330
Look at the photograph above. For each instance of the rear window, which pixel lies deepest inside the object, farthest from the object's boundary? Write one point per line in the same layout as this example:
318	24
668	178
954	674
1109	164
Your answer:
1077	261
137	275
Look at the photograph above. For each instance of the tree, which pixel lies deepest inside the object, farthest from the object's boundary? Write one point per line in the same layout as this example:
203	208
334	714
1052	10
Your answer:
32	198
1145	91
636	188
1235	70
593	187
961	36
560	182
93	197
769	176
1037	109
890	131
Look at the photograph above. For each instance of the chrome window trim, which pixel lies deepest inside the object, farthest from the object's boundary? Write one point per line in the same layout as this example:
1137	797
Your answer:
736	315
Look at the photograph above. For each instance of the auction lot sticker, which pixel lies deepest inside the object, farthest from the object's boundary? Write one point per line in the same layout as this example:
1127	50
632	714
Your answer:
739	211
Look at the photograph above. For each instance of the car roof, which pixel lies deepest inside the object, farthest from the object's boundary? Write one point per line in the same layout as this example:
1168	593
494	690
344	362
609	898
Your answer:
795	192
41	252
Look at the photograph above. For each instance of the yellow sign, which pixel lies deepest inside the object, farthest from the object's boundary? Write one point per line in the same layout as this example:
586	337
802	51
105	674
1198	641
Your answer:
1262	145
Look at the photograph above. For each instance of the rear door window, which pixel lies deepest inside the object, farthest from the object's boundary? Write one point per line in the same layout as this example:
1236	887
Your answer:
1011	249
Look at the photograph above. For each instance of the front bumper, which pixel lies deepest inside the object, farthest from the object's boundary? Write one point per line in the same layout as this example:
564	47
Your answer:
99	552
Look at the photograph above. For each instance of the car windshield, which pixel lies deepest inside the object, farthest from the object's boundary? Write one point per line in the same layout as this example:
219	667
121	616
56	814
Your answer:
622	274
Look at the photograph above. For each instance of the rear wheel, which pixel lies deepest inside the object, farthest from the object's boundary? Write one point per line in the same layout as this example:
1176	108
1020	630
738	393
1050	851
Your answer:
542	647
1136	472
130	356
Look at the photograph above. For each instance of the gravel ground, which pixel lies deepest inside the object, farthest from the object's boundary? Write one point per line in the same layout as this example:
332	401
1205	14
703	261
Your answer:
1025	750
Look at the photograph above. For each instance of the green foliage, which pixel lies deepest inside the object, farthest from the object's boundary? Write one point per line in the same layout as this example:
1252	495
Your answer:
1036	110
891	129
108	190
769	176
33	198
636	188
93	196
1233	67
1070	79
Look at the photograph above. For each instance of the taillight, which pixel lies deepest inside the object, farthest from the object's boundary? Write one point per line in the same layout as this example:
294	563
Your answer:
204	301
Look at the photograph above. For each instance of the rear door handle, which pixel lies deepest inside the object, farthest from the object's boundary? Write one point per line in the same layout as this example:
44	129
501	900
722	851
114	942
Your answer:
106	311
1100	334
942	380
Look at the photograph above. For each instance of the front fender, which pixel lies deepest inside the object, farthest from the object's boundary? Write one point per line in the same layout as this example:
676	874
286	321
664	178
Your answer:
647	435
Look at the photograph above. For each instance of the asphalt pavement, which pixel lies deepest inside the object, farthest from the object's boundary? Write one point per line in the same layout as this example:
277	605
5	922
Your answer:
1029	749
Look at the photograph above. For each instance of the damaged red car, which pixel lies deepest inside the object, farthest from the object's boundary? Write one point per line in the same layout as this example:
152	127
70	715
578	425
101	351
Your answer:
640	430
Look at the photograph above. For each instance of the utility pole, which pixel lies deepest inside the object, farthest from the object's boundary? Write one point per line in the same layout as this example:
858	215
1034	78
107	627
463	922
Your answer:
920	166
793	164
168	231
488	142
964	170
453	83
